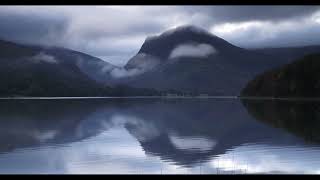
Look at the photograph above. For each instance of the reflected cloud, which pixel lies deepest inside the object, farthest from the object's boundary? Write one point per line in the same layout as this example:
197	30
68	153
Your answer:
201	144
260	158
146	136
46	136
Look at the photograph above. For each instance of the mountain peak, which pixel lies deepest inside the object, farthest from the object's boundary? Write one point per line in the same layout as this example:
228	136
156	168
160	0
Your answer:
187	29
162	45
184	29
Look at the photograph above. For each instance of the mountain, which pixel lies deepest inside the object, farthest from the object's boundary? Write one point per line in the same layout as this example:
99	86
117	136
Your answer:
186	59
289	53
31	123
297	79
28	70
190	59
32	71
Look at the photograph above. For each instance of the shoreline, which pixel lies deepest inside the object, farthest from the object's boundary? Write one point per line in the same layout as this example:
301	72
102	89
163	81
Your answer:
166	97
126	97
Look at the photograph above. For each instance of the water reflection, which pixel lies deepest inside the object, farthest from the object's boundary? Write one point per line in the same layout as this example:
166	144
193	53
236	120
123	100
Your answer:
148	136
301	118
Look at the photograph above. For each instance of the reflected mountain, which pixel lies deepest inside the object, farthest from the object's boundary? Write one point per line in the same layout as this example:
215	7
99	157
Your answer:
301	118
28	123
193	131
185	132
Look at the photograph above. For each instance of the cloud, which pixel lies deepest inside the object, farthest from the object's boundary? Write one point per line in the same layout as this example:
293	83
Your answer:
141	129
43	57
263	158
255	34
45	136
140	63
192	143
26	25
222	14
122	72
192	50
119	31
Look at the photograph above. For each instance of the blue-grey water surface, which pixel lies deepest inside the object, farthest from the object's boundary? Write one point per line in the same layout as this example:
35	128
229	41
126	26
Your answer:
159	136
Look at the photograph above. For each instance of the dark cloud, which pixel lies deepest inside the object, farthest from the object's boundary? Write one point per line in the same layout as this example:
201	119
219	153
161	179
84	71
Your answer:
118	32
249	13
26	28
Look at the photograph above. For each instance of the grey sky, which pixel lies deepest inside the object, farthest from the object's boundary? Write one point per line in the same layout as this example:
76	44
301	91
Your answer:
115	33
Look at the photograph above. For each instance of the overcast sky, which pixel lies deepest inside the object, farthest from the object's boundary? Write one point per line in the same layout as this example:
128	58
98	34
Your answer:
116	33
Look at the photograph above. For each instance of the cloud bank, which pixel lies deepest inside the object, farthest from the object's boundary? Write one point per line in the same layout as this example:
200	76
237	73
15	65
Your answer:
115	33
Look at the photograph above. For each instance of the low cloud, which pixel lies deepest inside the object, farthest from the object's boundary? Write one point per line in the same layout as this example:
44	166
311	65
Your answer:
192	50
139	64
122	72
43	57
192	143
141	129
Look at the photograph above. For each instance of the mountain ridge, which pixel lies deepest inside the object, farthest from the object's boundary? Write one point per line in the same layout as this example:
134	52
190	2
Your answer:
186	59
53	72
203	63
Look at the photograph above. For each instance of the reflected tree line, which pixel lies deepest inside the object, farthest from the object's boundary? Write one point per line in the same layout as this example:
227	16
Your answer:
301	118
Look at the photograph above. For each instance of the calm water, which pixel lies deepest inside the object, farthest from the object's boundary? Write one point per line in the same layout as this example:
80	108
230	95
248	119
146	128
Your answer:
190	136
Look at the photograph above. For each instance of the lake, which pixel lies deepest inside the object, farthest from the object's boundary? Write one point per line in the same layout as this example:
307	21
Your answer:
159	136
